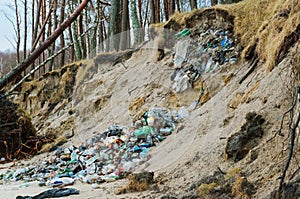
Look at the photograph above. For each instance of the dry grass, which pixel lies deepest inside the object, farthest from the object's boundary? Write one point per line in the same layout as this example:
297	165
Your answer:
57	142
205	189
265	27
242	189
137	182
136	104
233	173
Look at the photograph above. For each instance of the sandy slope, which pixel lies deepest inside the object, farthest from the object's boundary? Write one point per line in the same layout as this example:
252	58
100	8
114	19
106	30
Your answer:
110	95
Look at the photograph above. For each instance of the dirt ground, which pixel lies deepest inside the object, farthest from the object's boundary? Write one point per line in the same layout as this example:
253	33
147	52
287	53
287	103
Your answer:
105	94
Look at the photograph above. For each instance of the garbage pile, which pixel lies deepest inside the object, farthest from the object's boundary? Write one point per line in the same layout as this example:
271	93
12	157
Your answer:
105	157
201	51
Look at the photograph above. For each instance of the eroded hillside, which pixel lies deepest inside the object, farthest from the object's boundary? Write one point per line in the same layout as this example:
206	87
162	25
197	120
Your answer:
229	145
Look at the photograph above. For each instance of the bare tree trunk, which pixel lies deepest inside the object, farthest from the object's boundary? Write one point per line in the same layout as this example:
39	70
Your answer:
142	30
214	2
62	38
43	35
101	24
72	54
157	13
152	7
82	40
25	31
36	25
166	9
49	32
18	32
178	5
124	32
55	5
193	4
87	37
11	75
146	17
114	25
172	7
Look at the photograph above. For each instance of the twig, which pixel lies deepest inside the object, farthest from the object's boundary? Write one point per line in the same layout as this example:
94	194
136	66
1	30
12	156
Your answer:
7	124
292	133
292	142
284	114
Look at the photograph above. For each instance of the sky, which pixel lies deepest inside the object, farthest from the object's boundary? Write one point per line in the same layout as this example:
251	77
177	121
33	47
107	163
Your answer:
6	27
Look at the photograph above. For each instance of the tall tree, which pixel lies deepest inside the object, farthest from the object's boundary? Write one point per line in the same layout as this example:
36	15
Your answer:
193	4
62	38
11	75
178	5
172	7
114	25
153	11
25	31
135	23
82	38
17	31
157	11
55	25
214	2
124	31
78	53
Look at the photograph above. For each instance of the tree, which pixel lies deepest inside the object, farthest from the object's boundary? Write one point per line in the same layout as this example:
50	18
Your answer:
11	75
25	31
152	8
62	39
193	4
157	11
124	29
135	23
169	8
18	31
114	25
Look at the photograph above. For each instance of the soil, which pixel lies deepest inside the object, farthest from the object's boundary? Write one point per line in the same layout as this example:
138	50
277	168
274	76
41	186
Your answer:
102	92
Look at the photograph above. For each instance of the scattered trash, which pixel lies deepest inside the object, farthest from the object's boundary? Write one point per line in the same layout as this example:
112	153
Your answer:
185	32
52	193
203	52
105	157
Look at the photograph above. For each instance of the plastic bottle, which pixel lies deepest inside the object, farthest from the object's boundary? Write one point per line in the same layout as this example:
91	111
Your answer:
165	131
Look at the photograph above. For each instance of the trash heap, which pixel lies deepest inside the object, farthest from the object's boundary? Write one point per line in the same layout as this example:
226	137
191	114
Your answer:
200	51
106	157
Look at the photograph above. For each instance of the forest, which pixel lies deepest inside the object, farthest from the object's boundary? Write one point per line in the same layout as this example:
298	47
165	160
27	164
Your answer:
101	26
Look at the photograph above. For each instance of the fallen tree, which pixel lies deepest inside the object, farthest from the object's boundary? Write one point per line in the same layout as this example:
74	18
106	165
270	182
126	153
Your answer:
15	72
